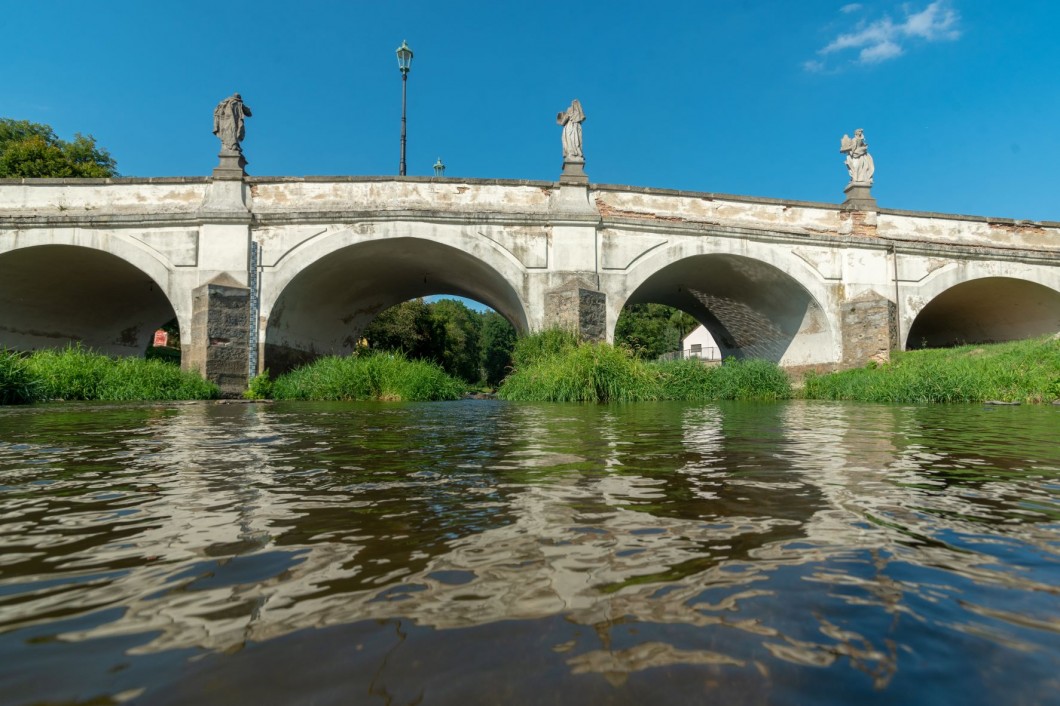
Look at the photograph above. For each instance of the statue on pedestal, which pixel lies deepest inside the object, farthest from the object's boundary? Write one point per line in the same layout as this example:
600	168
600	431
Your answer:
859	161
571	119
228	124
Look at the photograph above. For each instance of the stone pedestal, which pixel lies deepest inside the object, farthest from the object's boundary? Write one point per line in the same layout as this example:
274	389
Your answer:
575	307
574	172
220	329
859	197
232	165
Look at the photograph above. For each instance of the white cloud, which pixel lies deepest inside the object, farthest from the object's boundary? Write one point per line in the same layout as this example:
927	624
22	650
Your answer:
935	22
883	39
879	52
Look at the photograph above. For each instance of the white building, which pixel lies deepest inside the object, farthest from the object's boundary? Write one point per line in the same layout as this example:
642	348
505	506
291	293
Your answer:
700	344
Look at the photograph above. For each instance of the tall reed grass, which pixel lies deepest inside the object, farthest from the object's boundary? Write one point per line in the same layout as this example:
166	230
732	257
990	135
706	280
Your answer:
378	376
1018	371
553	367
747	379
77	373
17	385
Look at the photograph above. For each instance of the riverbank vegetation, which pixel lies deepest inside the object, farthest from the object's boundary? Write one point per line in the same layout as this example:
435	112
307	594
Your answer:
474	346
1018	371
366	376
553	367
77	373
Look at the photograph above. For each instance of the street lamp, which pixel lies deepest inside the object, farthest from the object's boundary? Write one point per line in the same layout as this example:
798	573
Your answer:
439	168
404	57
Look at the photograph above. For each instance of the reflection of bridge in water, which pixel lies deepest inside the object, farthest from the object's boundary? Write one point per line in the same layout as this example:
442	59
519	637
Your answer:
693	528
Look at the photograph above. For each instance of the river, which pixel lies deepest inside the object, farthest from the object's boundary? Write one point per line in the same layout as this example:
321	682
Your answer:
483	552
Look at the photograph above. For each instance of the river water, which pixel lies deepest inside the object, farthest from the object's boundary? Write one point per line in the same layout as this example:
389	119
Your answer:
481	552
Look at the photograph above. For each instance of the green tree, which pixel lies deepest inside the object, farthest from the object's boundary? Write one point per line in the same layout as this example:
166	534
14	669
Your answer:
497	340
649	330
406	327
29	149
458	329
445	331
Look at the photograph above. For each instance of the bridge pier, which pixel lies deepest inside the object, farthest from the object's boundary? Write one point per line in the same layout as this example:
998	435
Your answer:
577	307
220	331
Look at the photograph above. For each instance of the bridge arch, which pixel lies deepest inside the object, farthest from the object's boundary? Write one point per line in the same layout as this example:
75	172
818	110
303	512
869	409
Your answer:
105	293
756	302
980	304
321	294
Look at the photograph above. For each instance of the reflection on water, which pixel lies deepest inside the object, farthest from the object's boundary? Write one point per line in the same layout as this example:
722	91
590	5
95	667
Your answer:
484	552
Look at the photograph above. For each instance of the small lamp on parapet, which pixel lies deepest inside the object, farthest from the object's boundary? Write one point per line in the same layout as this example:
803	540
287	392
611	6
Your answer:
404	58
439	168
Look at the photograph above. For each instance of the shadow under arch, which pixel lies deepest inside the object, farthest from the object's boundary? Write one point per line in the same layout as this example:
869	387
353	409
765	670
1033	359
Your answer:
751	308
55	295
325	307
986	310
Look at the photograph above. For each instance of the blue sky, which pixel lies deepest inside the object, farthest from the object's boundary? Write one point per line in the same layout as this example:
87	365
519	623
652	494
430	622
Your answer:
959	99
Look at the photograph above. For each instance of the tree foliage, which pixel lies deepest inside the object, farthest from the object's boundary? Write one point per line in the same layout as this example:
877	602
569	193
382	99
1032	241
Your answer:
406	327
497	340
29	149
649	330
473	346
457	328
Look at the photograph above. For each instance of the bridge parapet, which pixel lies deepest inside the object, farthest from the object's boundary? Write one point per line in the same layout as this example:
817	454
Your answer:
950	230
682	207
101	197
443	196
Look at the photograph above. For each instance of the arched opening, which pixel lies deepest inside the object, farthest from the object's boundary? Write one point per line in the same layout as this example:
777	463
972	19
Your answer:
986	310
751	309
55	295
326	307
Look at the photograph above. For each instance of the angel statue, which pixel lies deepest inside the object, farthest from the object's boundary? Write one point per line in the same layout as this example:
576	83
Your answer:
859	161
571	119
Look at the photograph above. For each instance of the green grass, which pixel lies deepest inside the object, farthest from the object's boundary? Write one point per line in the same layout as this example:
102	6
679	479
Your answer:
77	373
747	379
17	385
1019	371
379	376
590	372
552	367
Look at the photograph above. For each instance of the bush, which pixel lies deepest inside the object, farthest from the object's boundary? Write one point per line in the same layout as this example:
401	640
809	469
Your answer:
374	376
259	387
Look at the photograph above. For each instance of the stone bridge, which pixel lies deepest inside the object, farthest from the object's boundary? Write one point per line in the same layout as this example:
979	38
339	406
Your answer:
267	272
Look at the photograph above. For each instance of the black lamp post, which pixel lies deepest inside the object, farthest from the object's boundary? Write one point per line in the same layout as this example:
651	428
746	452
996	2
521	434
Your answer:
404	57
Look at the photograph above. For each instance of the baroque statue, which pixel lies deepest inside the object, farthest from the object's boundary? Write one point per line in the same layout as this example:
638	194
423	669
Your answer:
228	123
859	161
571	119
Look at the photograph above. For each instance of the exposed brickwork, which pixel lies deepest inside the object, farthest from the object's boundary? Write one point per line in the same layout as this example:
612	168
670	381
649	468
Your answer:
858	223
